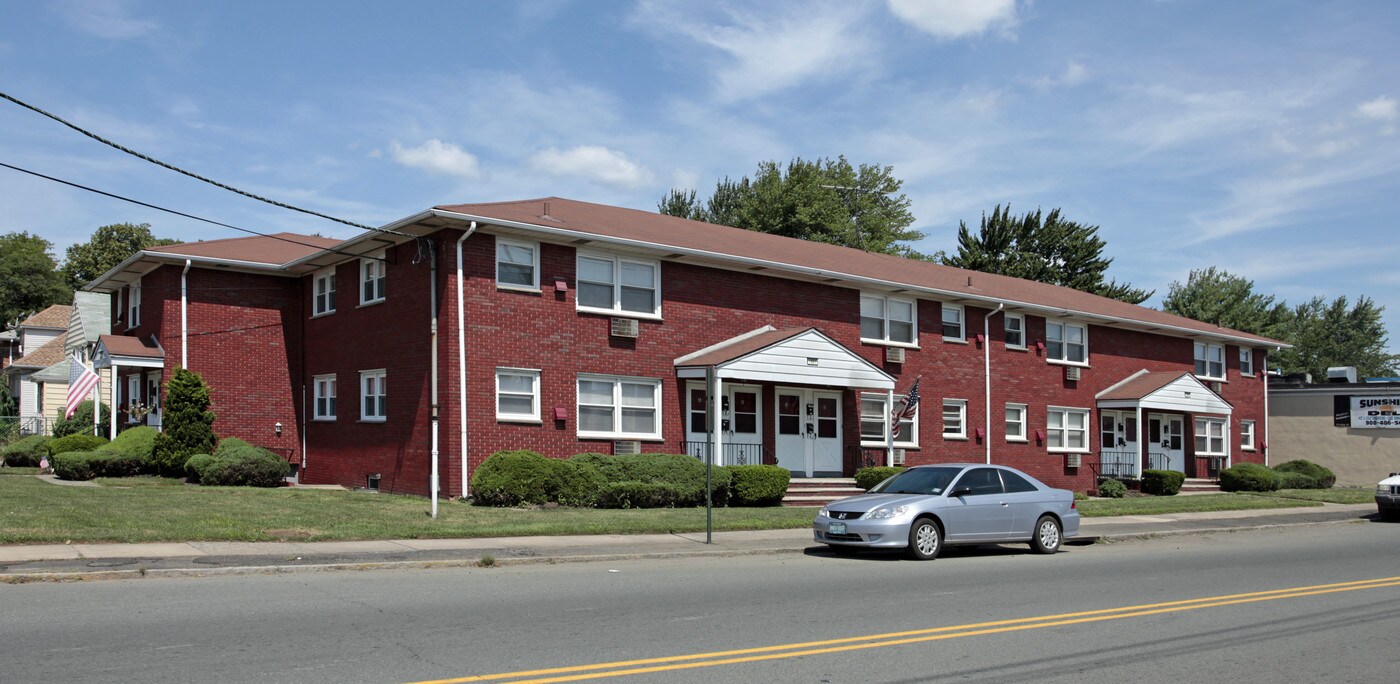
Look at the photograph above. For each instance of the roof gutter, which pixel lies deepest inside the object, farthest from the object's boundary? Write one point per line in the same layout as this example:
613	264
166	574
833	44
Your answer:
173	258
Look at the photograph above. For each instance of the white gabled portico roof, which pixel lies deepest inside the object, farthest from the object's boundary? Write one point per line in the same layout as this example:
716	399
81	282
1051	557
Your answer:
802	356
1164	392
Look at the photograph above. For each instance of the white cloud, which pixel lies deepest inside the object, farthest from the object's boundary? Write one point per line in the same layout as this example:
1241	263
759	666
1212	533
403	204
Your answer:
1380	109
948	19
438	157
591	161
105	19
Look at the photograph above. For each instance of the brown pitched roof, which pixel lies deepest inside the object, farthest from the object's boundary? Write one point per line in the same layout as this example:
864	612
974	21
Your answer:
123	345
748	345
48	354
278	248
1141	386
55	316
664	231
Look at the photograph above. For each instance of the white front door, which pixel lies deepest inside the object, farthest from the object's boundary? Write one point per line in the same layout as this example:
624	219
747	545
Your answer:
741	421
1118	443
809	432
1166	435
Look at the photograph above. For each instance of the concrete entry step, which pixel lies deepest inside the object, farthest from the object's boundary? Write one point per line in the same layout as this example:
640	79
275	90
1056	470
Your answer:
819	491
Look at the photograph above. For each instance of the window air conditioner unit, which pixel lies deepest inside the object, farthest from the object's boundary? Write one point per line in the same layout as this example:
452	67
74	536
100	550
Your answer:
894	354
897	457
1073	460
627	447
624	327
1216	386
1071	372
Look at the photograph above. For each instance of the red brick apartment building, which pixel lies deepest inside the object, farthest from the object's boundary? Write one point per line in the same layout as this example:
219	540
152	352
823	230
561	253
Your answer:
568	327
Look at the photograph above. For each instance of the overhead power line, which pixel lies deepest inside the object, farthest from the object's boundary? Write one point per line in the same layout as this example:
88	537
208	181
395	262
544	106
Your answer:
195	176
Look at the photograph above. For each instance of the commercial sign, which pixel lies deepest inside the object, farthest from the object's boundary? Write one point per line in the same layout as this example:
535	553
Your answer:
1375	412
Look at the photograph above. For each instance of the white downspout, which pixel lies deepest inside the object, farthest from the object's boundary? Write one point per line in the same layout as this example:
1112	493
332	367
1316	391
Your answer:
462	364
987	370
184	318
1265	372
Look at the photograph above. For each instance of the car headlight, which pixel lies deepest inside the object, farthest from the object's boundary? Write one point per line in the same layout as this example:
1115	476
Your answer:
823	513
887	512
1382	489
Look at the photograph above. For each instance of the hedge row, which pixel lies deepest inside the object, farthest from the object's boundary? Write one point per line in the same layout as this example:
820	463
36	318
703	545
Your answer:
1299	474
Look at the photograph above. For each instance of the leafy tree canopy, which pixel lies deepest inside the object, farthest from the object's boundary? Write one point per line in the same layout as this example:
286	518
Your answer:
29	277
822	200
1216	296
109	246
1050	250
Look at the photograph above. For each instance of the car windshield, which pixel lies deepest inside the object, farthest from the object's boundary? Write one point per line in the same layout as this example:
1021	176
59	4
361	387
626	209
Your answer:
918	481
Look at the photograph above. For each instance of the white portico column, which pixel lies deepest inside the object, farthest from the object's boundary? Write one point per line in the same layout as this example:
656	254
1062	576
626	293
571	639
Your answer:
113	405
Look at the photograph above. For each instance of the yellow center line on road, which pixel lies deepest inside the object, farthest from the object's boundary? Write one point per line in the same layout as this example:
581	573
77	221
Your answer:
757	654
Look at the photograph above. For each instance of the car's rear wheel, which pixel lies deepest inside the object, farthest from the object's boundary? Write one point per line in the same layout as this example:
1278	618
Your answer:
1048	537
925	539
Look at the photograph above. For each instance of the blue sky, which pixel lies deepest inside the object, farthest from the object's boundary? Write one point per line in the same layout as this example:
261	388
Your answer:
1259	137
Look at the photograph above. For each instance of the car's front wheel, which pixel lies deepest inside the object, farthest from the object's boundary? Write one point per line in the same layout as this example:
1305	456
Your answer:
925	539
1048	535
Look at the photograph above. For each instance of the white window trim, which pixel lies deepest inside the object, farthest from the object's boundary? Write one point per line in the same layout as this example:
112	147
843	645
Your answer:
1022	319
376	260
1088	426
962	322
1064	346
913	323
1246	352
1207	347
133	390
617	262
616	433
534	248
908	440
1224	436
316	280
382	375
1247	446
534	415
962	420
133	305
316	397
1025	430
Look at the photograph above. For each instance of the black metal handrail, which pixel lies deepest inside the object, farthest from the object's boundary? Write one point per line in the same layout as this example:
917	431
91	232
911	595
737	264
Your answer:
858	457
1116	463
735	453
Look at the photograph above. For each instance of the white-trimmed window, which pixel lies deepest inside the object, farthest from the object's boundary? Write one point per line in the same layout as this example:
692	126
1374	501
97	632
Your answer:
1066	342
133	390
954	419
1210	360
953	328
518	394
372	279
517	264
1247	435
133	305
888	319
1246	361
1067	429
373	396
323	293
875	420
1015	326
1015	422
619	408
618	285
1210	436
323	390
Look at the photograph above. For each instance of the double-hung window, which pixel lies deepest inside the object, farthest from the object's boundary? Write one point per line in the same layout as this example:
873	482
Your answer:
953	329
1015	422
372	279
517	264
323	298
1210	361
1067	429
1015	326
954	419
875	419
517	394
1210	436
373	396
888	320
1246	361
323	387
133	305
619	408
618	285
1066	342
1247	435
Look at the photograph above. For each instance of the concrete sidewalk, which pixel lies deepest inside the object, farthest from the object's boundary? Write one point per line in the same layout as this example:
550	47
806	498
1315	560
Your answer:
71	562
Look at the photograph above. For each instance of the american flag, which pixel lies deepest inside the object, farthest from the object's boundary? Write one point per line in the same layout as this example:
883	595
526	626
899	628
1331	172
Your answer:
81	381
906	409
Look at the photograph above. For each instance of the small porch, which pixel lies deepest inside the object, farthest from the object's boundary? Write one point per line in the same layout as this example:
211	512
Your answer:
144	364
1143	426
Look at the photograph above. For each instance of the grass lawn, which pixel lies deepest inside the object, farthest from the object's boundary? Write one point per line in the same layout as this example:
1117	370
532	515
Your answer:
1157	505
1339	495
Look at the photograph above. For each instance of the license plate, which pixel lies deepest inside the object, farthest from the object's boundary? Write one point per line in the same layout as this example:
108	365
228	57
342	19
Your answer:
836	528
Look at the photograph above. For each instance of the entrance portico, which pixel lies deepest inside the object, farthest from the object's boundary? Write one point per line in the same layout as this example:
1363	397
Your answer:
1142	425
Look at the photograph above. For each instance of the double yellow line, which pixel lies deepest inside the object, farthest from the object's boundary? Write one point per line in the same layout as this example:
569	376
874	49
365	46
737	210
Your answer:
808	648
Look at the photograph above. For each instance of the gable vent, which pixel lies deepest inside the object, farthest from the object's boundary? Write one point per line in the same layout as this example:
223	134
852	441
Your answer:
894	354
627	447
625	327
1071	372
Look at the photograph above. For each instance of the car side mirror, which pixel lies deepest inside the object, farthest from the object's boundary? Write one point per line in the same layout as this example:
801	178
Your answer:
959	492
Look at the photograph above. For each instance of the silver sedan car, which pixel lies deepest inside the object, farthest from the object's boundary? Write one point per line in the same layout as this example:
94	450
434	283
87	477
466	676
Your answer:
924	508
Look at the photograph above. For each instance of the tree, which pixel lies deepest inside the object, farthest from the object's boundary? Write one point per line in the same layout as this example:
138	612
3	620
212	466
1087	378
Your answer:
1054	251
1326	334
823	200
29	277
188	423
109	245
84	421
1222	298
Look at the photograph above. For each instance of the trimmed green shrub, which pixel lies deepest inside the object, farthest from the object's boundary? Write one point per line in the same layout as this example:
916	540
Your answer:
227	444
187	421
1319	476
1295	481
78	442
633	494
74	465
509	478
1248	477
1113	489
195	465
758	485
575	483
683	472
246	466
138	442
1162	482
85	465
82	421
869	476
26	452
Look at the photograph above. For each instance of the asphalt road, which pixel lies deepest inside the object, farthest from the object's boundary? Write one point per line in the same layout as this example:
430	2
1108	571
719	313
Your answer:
1239	607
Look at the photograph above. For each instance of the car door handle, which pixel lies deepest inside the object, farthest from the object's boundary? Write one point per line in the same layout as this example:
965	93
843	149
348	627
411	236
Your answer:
1005	503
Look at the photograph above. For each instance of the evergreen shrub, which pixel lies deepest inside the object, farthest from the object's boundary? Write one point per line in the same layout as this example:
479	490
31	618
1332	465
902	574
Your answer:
26	452
758	485
1162	482
187	422
1248	477
138	442
1319	476
82	421
1113	489
246	466
85	465
510	478
195	465
869	476
74	442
